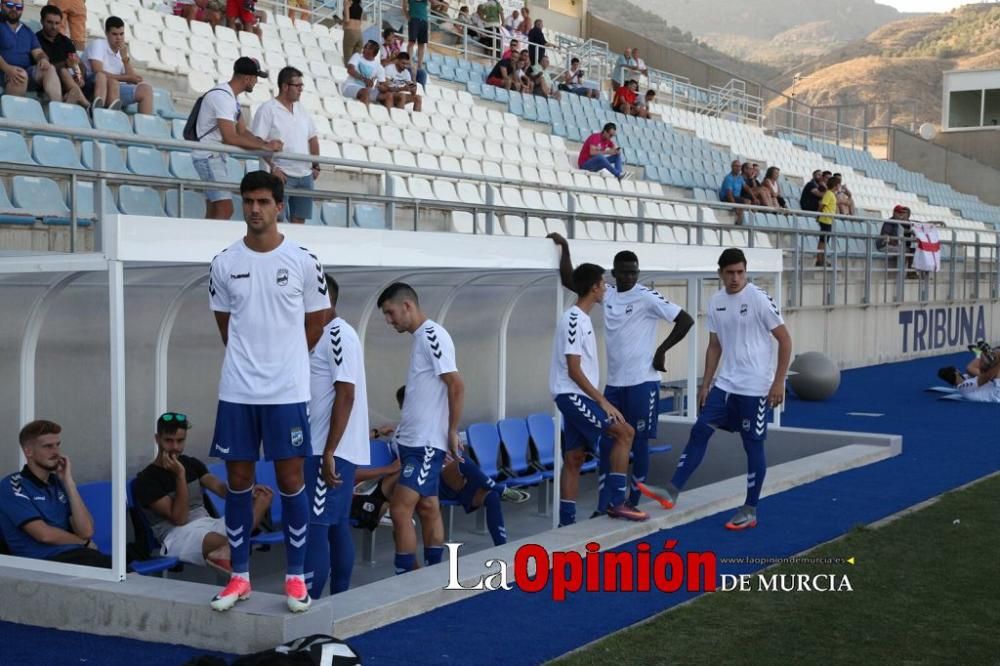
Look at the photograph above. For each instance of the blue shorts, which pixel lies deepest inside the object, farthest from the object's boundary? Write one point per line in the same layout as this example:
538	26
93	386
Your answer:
417	31
300	208
241	429
213	170
584	422
745	414
639	404
329	506
420	469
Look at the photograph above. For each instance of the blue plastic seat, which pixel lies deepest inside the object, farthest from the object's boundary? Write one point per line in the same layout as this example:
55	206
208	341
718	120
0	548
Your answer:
13	148
55	151
177	128
41	197
140	524
154	127
194	204
97	497
369	216
144	161
113	162
8	214
334	214
181	166
85	202
514	437
22	109
484	442
111	121
163	105
138	200
68	116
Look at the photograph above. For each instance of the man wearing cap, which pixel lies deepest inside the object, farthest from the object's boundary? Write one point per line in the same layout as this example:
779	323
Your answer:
220	120
169	492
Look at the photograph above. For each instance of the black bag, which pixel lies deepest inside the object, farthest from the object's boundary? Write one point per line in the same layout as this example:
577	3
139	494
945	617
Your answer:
191	126
366	509
315	650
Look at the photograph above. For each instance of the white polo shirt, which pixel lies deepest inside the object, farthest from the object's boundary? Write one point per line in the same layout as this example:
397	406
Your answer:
293	128
424	420
99	49
574	337
743	323
630	321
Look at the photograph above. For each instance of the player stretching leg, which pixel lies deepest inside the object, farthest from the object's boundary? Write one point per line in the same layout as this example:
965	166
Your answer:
338	418
263	288
631	315
427	427
742	319
588	416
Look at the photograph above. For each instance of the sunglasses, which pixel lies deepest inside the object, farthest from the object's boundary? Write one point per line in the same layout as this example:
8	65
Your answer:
14	5
174	416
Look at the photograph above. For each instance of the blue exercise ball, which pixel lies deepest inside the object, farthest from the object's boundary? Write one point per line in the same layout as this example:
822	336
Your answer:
816	377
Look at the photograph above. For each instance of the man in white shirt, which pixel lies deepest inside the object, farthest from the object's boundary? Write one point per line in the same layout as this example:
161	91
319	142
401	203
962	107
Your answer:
428	426
220	120
632	313
285	119
589	417
365	80
120	86
401	85
268	295
742	320
338	418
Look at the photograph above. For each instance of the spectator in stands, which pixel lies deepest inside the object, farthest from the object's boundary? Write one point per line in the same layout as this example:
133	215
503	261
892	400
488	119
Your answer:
416	13
845	200
440	6
220	120
502	74
23	64
284	118
599	152
812	192
639	63
623	69
828	206
391	45
401	84
366	77
243	15
170	493
42	515
770	190
625	98
353	40
572	80
897	230
208	11
299	9
120	86
73	20
541	80
512	21
491	13
513	46
61	52
521	69
524	27
642	104
732	189
536	42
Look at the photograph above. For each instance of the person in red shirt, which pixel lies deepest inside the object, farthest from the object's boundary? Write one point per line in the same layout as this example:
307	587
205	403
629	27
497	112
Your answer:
600	152
625	98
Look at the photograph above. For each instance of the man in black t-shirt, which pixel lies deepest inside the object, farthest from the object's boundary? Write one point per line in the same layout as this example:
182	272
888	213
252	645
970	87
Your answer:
812	192
169	492
62	54
502	74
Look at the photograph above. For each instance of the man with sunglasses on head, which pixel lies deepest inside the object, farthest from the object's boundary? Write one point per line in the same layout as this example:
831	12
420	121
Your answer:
23	64
170	493
285	118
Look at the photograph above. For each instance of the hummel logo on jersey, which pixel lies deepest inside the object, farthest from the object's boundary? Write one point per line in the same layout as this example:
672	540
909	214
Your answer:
572	328
433	340
282	277
743	309
722	309
338	350
239	276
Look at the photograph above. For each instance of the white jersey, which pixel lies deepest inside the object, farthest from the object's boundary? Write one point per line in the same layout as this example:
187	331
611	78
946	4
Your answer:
574	337
743	322
988	392
424	421
338	357
630	322
267	295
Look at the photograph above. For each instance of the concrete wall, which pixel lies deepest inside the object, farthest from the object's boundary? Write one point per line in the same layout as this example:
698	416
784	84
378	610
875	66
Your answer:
968	161
561	15
662	57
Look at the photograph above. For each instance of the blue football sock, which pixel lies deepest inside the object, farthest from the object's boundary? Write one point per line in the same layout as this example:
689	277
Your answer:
239	524
616	482
341	556
433	555
405	562
494	518
603	468
567	512
474	476
640	467
693	454
295	514
317	568
756	469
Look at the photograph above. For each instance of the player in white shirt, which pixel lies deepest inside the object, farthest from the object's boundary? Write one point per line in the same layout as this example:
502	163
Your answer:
404	90
588	417
338	419
743	323
428	426
632	313
268	295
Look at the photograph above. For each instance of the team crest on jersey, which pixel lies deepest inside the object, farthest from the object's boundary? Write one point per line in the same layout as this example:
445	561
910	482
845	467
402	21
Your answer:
62	497
408	470
640	425
297	437
743	309
282	277
746	425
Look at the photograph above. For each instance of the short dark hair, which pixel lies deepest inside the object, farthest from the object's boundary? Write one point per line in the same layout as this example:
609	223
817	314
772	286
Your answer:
833	182
397	291
947	374
585	276
262	180
827	174
287	74
625	256
51	10
609	126
732	256
169	427
113	22
650	93
574	61
334	288
36	429
402	55
386	32
401	395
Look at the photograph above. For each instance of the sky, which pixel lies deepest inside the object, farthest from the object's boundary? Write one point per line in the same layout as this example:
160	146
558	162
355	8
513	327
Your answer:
923	5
